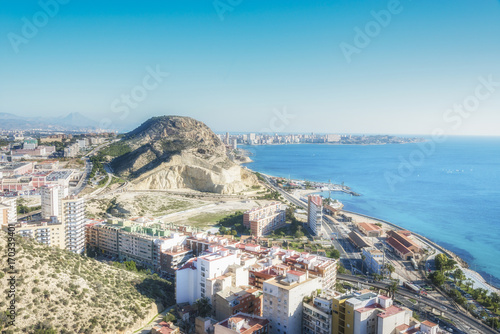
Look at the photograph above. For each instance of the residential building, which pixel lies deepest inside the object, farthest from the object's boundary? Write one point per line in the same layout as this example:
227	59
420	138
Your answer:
317	315
165	328
365	312
49	232
73	218
428	327
173	259
207	274
265	219
51	197
242	323
257	277
283	301
374	260
8	210
129	241
233	300
322	267
30	144
315	213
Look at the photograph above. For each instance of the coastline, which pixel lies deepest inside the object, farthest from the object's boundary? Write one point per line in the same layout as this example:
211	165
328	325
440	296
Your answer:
338	144
480	281
462	263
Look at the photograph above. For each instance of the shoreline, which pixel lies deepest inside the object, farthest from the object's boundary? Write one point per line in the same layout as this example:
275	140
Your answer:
464	265
461	262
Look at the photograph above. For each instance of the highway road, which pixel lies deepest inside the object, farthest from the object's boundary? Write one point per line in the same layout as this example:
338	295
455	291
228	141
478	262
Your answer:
445	308
329	227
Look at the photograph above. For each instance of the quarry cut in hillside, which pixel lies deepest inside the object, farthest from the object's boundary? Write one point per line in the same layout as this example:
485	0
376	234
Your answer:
174	152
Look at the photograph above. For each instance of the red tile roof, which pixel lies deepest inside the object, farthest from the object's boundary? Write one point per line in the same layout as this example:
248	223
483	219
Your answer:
429	323
398	246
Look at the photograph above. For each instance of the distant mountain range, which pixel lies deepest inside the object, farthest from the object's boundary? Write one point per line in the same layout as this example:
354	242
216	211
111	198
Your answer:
72	122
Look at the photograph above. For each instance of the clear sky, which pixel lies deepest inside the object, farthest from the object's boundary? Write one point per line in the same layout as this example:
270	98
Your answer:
235	64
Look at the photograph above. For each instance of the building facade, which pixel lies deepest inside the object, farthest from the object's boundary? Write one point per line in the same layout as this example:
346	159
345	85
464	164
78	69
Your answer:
283	301
265	219
73	218
48	232
315	213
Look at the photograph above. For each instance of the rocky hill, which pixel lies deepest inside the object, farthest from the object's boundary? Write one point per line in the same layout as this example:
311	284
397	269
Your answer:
61	292
174	152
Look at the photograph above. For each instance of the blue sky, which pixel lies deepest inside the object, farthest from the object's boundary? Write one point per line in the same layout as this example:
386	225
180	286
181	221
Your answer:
236	70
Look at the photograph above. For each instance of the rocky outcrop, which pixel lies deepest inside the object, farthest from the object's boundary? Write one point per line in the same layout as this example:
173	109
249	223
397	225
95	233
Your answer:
173	152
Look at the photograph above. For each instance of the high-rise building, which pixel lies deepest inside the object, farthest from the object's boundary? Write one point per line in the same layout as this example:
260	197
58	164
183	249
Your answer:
52	196
73	218
283	301
8	210
315	213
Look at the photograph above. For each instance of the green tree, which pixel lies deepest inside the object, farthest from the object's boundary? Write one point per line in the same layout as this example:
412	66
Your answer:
437	277
458	276
169	317
390	268
203	306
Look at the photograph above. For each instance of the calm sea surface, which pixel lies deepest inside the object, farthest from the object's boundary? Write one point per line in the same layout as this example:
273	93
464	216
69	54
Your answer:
450	194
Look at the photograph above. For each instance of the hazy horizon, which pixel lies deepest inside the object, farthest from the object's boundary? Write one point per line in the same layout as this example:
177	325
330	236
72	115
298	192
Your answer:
381	67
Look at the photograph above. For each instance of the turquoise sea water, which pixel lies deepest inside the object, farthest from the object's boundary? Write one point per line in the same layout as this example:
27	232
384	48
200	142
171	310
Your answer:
450	194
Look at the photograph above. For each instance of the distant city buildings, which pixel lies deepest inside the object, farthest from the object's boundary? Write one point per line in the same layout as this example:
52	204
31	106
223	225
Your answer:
275	138
265	219
315	213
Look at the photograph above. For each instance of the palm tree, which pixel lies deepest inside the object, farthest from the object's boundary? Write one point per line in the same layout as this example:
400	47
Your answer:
392	289
390	268
363	258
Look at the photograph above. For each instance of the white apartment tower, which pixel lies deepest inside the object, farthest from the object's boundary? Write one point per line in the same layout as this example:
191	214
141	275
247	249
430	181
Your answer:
282	304
73	217
69	210
205	275
315	213
52	196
